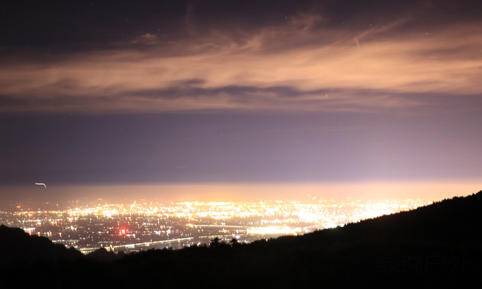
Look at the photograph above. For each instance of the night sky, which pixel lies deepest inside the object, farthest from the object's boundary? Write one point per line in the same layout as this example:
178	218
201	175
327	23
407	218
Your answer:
119	93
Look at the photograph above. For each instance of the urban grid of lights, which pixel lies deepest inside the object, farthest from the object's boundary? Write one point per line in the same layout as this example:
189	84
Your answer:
142	225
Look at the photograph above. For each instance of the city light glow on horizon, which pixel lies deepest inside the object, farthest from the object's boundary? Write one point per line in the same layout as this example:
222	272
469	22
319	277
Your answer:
221	192
144	225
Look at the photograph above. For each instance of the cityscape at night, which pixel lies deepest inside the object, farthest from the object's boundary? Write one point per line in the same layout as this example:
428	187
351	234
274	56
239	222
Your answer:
242	144
141	226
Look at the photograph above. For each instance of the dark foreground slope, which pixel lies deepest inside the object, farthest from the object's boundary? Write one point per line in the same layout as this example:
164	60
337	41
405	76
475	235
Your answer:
438	246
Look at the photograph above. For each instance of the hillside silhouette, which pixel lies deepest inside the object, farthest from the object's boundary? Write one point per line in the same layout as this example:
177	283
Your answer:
436	246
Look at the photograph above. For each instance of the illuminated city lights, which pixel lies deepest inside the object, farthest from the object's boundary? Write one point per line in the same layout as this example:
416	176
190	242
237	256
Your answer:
139	226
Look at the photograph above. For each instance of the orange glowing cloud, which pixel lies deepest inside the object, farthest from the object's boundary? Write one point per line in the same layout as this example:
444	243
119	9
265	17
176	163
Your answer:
296	66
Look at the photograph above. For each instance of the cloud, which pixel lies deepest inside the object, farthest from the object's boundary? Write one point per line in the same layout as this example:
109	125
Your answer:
146	39
302	64
373	31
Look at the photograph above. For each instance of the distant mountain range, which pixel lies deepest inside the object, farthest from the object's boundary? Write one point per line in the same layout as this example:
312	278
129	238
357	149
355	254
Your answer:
436	246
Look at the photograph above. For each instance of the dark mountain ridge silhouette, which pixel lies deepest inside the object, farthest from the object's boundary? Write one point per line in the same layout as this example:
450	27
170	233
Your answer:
436	246
18	247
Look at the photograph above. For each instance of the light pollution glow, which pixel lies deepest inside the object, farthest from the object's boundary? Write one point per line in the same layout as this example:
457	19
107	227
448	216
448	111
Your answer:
428	191
396	98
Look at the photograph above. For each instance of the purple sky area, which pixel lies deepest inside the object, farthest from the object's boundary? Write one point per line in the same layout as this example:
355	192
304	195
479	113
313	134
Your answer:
107	92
